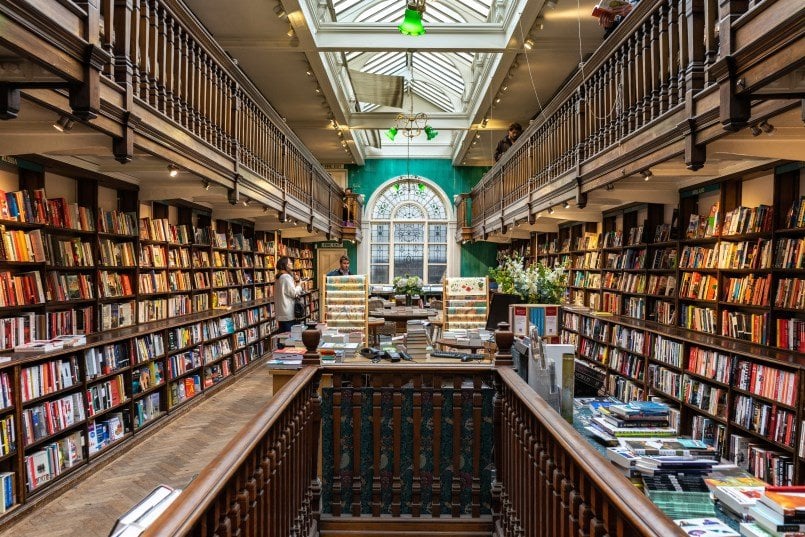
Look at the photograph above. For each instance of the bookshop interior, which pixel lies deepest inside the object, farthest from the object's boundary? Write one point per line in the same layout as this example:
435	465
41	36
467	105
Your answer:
402	267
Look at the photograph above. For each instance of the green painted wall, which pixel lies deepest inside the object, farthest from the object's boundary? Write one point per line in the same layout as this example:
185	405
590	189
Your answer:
475	258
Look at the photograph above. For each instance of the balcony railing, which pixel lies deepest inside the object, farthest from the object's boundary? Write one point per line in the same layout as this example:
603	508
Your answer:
147	69
410	448
650	84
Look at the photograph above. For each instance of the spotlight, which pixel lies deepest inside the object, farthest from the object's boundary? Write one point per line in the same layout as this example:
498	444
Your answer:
497	100
206	183
567	204
318	90
551	4
646	174
64	124
294	222
290	32
333	123
755	130
484	122
766	127
265	209
610	187
550	210
279	11
477	135
309	72
246	201
173	170
529	43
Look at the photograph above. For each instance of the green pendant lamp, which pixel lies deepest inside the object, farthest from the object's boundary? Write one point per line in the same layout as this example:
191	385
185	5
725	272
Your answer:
430	133
391	133
412	22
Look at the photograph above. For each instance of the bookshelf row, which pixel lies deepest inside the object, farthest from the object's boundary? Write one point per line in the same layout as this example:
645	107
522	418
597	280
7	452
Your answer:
738	274
62	409
738	397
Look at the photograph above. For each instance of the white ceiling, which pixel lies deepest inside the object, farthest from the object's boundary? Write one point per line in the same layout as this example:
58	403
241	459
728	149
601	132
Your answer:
305	75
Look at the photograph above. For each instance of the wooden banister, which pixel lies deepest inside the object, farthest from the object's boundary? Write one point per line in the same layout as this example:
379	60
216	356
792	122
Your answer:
249	484
553	483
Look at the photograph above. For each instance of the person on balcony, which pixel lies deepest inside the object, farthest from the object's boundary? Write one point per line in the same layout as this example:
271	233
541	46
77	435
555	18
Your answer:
343	268
515	130
610	18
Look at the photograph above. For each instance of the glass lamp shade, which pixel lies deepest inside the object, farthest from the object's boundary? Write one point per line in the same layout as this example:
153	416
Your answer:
391	133
430	133
412	23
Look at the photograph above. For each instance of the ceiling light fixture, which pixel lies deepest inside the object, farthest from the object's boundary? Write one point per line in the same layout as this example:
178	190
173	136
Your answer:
755	130
646	174
173	170
567	204
529	43
610	187
279	11
64	124
265	209
334	123
412	21
551	4
206	183
484	122
766	127
290	32
550	210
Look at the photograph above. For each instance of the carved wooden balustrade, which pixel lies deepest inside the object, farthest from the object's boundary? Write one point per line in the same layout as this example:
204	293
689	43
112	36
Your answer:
414	449
665	82
148	74
264	483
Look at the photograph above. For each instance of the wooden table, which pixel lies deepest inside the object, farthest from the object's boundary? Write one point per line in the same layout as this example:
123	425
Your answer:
401	316
472	347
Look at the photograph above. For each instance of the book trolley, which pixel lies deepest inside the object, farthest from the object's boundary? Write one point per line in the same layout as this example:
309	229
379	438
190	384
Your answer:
466	303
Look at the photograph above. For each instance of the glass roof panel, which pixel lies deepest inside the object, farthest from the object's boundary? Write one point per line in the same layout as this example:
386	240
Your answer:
445	11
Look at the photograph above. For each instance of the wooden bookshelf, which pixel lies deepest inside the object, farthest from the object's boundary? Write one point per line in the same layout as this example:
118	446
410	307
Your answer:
706	312
132	278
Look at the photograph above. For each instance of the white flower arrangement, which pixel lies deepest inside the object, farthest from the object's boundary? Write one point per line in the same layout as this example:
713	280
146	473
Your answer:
536	284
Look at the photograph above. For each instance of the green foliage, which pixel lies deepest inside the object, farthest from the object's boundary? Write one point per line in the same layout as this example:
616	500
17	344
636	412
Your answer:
536	284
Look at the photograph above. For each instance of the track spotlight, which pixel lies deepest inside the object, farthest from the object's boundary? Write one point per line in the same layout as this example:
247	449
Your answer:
246	201
64	124
610	187
265	209
550	210
173	170
551	4
766	127
755	130
206	183
484	122
646	174
567	204
279	11
529	43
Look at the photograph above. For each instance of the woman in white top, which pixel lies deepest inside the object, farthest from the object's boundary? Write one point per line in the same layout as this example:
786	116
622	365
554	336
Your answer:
285	292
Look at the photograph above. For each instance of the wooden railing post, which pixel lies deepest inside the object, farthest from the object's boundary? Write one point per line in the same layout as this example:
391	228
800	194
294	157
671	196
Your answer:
504	338
126	20
85	96
734	107
695	154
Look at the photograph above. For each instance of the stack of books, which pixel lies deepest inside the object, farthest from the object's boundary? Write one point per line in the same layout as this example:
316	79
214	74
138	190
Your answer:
706	527
416	340
680	496
779	512
642	419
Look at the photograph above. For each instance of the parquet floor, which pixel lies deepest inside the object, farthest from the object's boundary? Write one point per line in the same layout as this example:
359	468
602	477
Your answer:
172	455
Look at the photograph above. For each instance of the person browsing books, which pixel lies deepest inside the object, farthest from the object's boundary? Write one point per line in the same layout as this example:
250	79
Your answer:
343	268
286	290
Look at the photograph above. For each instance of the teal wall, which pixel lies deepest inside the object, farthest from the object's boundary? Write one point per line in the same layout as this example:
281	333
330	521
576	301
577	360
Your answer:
475	258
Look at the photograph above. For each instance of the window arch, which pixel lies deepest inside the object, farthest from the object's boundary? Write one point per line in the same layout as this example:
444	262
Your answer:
408	233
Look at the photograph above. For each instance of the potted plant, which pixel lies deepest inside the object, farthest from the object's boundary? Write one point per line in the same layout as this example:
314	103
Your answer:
410	286
535	284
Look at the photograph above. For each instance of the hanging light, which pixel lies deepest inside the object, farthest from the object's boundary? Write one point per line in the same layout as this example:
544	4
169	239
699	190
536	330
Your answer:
430	133
391	133
412	21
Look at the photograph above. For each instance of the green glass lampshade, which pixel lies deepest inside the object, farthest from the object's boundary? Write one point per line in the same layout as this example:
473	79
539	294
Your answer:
412	23
430	133
391	133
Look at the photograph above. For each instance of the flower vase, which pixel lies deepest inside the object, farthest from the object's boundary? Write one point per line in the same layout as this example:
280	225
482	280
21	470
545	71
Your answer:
408	299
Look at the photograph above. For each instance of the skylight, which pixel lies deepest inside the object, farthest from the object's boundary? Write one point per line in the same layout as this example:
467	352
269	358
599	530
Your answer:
444	11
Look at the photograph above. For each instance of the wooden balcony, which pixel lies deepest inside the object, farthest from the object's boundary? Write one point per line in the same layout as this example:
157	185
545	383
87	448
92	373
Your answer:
410	449
675	77
147	80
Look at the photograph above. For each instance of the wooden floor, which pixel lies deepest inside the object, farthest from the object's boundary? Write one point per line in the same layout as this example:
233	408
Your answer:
172	455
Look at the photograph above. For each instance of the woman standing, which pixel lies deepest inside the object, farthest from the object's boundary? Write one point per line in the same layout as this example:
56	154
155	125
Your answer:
286	289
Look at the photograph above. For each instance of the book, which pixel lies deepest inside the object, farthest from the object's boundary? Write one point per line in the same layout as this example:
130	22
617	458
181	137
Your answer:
773	522
705	527
785	501
738	499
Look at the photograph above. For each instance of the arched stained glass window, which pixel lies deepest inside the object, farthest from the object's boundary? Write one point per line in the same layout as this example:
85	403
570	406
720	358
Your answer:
408	233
